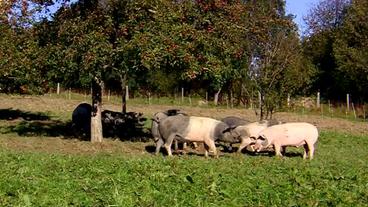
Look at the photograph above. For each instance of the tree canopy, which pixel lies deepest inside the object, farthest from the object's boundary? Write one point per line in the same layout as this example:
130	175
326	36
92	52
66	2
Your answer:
249	49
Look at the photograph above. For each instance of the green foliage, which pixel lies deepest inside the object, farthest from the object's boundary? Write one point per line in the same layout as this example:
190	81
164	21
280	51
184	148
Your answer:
336	45
335	177
351	47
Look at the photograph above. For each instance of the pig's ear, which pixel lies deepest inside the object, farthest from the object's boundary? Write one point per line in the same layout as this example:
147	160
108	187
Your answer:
253	139
155	120
261	137
264	140
229	129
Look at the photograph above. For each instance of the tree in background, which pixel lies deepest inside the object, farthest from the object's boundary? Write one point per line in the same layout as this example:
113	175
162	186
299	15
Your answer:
323	24
21	61
351	48
276	68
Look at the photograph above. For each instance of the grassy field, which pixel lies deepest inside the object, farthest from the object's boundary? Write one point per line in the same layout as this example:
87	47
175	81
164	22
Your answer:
41	166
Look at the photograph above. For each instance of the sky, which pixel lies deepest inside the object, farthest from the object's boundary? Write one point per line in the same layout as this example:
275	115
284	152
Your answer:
300	8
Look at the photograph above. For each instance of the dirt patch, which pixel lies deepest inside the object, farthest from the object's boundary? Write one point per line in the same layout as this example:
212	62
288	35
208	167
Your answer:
58	110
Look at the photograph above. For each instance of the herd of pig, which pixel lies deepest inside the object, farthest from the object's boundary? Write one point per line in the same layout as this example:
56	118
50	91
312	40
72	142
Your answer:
173	126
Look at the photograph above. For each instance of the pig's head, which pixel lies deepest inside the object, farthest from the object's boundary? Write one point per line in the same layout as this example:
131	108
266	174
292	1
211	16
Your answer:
260	143
231	135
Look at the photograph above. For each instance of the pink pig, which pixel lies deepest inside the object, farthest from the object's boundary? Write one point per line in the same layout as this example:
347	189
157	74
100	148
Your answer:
288	134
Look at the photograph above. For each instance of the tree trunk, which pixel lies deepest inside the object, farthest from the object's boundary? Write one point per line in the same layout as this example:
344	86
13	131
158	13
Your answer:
217	97
123	79
261	105
96	124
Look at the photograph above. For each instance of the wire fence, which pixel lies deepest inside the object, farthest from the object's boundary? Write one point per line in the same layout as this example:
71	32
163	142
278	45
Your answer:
302	105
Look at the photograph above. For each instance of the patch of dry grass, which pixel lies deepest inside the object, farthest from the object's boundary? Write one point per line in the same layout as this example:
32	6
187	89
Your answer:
60	109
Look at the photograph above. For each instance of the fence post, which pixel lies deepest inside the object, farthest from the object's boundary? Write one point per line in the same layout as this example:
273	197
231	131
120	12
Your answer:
288	100
182	95
58	89
70	93
347	102
206	97
126	92
352	105
318	99
259	99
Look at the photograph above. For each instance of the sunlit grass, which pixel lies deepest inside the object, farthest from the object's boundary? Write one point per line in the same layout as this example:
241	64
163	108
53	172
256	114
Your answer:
336	177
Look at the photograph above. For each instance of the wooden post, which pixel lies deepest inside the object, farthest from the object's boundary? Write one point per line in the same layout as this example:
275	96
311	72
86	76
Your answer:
217	94
318	100
58	89
322	111
126	92
260	99
96	124
231	99
288	100
182	95
206	97
347	102
352	105
70	93
227	102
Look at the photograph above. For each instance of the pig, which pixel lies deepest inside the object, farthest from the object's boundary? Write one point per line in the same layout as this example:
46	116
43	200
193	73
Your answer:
194	129
157	117
289	134
249	132
234	121
81	119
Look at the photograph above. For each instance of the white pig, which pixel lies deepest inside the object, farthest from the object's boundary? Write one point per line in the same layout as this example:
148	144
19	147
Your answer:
288	134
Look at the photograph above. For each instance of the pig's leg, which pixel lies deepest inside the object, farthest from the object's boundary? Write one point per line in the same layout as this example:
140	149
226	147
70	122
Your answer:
277	150
168	143
212	146
242	145
311	151
159	144
185	146
176	145
206	148
306	151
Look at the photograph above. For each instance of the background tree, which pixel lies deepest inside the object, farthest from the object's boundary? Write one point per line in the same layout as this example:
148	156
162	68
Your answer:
323	23
275	56
351	49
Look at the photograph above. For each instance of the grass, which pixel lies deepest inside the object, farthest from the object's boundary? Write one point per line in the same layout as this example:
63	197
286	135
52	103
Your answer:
42	166
336	177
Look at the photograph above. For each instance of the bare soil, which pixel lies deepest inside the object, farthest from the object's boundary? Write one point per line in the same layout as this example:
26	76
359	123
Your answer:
31	111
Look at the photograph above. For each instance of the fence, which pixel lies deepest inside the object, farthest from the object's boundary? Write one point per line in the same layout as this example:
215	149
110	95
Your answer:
302	105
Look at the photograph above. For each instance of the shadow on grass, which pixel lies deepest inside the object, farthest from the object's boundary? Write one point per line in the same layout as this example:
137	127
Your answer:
152	148
11	114
29	124
50	128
